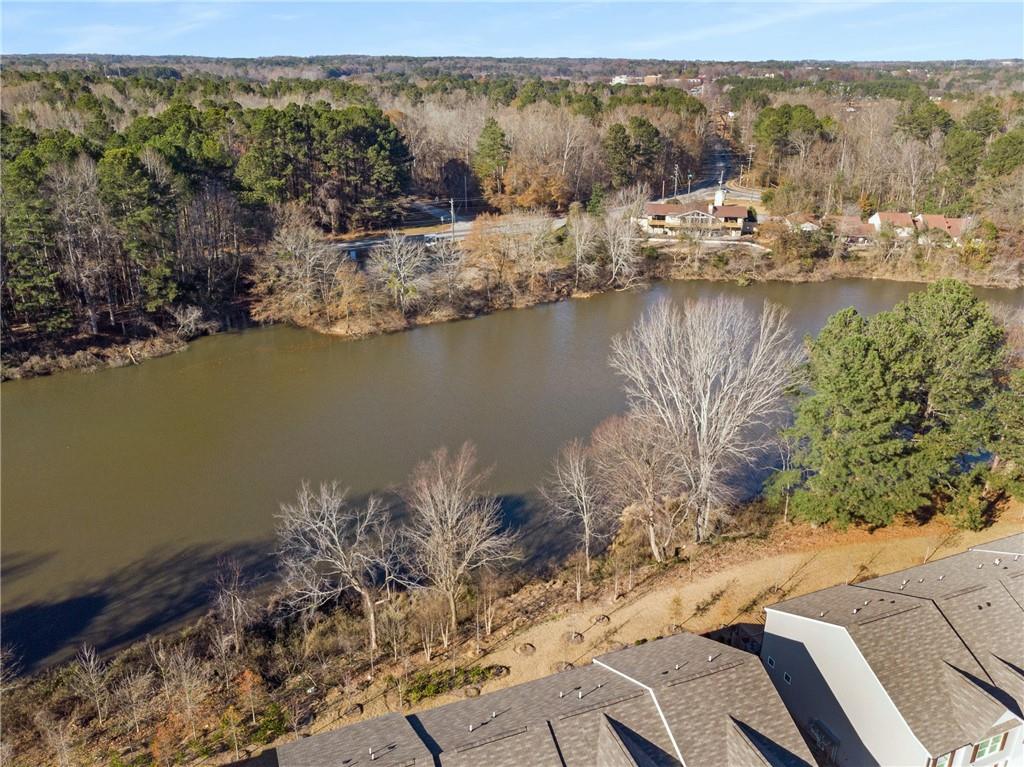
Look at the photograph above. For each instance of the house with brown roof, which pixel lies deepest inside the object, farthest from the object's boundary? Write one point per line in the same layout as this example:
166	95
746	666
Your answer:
679	701
902	224
735	218
673	218
954	228
923	667
851	229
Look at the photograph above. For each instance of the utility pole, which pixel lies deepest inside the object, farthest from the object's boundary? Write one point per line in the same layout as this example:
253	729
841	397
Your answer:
663	188
675	176
452	203
750	158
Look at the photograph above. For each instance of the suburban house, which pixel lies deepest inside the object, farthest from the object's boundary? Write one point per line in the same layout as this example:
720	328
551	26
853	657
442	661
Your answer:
900	223
852	230
681	700
919	668
672	218
953	227
735	218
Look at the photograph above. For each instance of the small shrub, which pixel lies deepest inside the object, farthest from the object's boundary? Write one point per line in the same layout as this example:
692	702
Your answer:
271	724
429	684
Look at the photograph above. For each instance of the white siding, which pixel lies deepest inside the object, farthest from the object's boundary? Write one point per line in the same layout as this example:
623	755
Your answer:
831	682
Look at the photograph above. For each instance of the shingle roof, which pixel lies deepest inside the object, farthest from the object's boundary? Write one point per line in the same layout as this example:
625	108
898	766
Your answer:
954	227
730	211
852	226
712	683
896	218
671	209
608	710
949	628
389	739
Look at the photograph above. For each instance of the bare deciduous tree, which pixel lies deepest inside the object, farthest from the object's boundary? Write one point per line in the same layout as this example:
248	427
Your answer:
133	692
583	238
300	272
456	527
573	492
449	260
90	678
711	377
10	667
233	602
184	682
621	234
398	266
189	319
642	473
328	546
59	735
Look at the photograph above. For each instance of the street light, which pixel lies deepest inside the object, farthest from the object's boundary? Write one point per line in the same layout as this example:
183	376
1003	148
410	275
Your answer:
689	180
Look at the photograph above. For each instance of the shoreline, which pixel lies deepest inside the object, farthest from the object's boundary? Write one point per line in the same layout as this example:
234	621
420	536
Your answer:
93	358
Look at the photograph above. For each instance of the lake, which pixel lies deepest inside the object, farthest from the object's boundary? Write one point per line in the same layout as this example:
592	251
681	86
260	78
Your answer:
124	489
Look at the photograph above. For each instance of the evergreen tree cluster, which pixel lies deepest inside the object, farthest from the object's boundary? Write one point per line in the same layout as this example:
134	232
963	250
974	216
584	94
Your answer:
904	412
104	228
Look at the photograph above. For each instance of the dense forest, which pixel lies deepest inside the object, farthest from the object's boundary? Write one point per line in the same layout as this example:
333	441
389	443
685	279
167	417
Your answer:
148	203
158	199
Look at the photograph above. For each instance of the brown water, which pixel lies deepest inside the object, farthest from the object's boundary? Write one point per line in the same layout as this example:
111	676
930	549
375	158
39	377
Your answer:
123	489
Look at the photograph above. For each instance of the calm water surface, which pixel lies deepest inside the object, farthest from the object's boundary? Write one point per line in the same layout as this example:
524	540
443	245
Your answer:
123	489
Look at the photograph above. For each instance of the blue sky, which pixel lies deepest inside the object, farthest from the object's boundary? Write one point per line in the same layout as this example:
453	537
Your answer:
707	30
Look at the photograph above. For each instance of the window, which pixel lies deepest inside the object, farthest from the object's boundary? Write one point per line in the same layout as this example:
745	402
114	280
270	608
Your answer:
787	678
771	662
943	761
989	746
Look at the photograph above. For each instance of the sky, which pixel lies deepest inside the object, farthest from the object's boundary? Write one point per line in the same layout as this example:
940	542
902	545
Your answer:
866	30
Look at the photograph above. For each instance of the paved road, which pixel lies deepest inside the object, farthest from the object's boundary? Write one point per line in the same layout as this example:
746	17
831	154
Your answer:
720	165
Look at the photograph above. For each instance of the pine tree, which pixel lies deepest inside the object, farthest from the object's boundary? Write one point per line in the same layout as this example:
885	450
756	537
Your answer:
618	155
856	463
491	157
901	408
